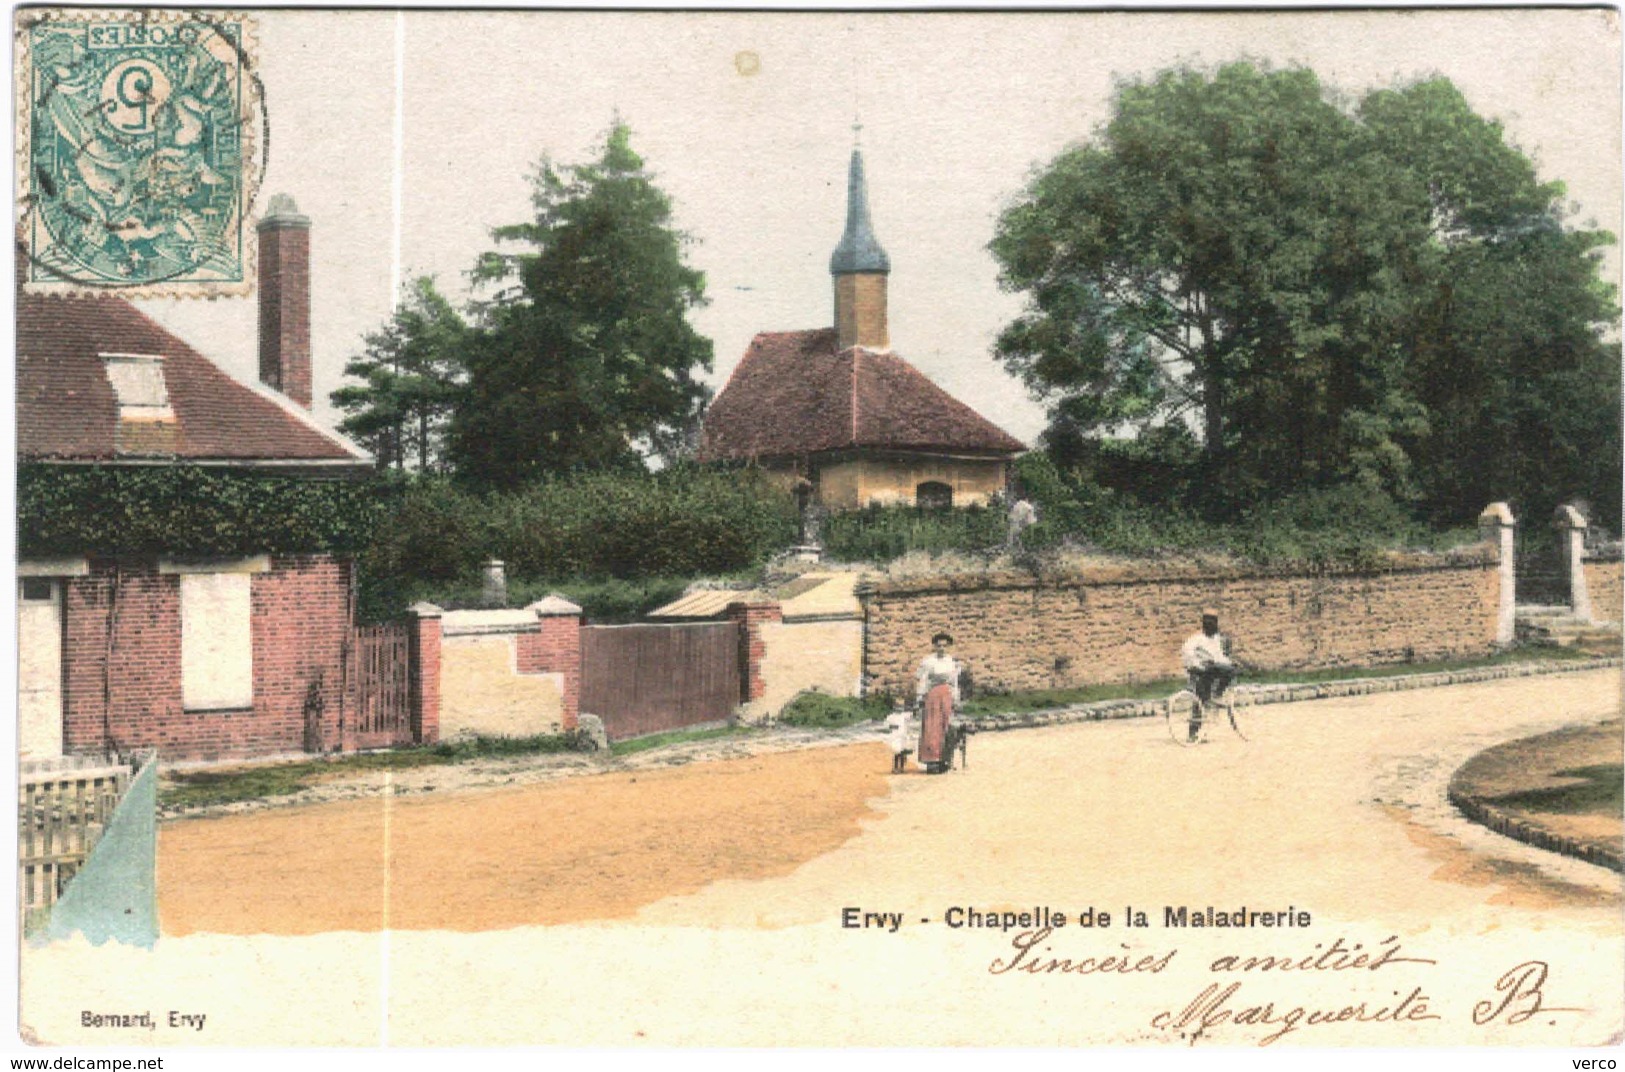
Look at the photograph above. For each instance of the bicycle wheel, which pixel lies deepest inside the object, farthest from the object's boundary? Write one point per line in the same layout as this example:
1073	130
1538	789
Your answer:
1232	716
1183	715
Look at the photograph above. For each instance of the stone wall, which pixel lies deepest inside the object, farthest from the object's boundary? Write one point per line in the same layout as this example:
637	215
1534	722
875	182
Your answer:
1604	586
485	695
1126	623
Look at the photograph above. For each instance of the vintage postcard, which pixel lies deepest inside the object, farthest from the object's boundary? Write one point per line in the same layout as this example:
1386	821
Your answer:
818	529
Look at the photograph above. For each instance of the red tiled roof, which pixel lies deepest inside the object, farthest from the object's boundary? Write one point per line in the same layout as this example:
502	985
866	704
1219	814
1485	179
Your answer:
793	393
66	408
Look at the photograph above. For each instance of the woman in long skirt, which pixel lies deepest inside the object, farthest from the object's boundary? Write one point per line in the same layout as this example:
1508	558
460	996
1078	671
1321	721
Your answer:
937	692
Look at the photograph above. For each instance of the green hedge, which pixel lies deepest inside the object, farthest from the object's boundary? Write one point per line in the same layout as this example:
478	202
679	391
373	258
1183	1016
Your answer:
604	601
187	509
617	543
1346	526
882	533
680	522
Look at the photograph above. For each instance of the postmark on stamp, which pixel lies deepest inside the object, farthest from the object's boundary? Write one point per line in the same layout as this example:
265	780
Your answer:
139	150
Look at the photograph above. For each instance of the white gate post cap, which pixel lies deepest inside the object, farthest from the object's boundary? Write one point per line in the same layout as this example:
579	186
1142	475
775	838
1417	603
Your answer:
424	610
1567	517
553	606
1496	513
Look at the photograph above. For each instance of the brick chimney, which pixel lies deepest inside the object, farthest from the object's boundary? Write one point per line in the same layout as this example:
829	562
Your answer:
860	268
285	300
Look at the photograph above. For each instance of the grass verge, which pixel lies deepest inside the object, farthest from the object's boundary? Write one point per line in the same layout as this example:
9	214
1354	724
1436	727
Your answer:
1598	789
230	785
820	711
816	710
811	710
660	740
1045	699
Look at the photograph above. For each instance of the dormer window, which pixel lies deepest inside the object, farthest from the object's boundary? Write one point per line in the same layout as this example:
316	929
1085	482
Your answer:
138	383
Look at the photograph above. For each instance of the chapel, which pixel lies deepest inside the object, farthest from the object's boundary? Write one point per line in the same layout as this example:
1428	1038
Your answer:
839	416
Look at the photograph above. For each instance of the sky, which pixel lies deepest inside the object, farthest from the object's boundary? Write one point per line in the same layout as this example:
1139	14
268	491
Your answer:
407	136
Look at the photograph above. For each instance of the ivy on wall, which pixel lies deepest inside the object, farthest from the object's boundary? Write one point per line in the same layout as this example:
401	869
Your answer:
188	510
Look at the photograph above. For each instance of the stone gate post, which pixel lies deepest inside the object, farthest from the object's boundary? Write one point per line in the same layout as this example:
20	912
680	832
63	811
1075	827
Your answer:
493	584
1496	525
1571	538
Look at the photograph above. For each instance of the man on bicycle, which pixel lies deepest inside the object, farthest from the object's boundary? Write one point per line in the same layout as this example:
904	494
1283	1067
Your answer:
1208	665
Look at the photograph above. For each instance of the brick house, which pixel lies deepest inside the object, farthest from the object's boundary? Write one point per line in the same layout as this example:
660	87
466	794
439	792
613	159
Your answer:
837	412
198	657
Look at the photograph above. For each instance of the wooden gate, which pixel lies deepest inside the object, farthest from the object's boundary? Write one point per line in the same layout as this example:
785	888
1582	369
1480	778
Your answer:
647	678
383	687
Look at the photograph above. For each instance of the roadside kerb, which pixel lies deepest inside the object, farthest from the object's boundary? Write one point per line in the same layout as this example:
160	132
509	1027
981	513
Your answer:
1488	815
1273	694
512	771
1475	785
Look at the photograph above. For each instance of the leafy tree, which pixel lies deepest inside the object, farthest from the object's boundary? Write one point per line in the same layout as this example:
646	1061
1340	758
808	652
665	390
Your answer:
1300	282
1521	389
585	358
410	377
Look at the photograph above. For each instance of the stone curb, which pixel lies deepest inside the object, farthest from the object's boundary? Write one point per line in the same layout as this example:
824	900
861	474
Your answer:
1272	694
1488	815
1480	810
516	772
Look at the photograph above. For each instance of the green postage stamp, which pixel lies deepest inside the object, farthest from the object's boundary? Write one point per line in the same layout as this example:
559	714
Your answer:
137	139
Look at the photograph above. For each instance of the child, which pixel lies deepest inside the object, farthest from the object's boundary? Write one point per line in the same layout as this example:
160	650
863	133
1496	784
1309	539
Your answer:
897	736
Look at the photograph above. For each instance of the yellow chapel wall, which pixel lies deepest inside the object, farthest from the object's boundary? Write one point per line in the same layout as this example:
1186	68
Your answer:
852	484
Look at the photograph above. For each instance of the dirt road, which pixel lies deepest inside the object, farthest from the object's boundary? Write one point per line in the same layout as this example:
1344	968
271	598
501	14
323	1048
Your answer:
1336	805
712	901
559	852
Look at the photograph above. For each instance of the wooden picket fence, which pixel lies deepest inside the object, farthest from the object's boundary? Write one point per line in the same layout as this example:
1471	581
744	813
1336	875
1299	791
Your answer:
63	805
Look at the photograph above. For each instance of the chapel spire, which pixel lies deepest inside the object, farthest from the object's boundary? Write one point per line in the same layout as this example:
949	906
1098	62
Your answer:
860	268
859	250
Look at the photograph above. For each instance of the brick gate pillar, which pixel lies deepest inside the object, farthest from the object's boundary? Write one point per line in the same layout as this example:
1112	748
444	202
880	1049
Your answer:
556	649
1496	525
424	645
752	645
1571	539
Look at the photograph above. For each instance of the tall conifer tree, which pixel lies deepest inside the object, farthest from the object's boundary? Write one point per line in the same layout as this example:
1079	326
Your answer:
585	357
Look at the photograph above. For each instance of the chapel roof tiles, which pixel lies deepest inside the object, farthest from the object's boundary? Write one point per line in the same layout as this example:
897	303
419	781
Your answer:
794	393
